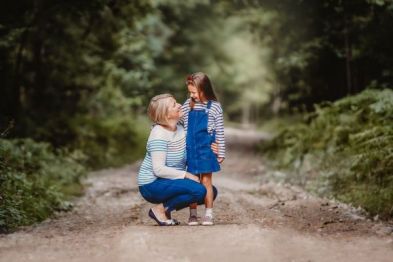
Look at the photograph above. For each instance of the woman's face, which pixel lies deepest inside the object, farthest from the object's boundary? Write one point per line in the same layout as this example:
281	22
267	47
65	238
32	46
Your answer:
174	109
194	94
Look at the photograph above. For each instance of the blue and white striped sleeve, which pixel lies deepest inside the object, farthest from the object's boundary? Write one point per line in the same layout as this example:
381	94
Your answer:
185	108
157	145
158	150
220	136
181	120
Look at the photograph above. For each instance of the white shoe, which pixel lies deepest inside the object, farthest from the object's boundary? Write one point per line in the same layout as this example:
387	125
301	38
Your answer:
193	221
207	221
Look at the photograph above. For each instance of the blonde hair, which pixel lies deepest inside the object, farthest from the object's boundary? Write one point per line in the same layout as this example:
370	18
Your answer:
158	108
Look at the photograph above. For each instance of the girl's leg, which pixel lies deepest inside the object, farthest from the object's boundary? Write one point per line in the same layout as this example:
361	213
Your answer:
194	205
215	193
193	218
206	180
193	210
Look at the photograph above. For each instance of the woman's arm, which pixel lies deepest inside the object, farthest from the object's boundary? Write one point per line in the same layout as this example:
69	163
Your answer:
161	170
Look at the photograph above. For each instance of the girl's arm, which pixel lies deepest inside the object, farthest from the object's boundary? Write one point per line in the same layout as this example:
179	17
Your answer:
185	108
220	136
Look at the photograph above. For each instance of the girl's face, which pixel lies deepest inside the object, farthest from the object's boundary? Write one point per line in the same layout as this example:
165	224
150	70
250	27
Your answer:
194	94
174	109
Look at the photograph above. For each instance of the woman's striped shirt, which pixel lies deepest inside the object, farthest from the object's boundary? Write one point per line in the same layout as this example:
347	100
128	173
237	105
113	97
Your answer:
215	121
165	155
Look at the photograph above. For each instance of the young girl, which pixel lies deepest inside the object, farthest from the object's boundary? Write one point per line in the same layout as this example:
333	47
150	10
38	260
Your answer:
203	121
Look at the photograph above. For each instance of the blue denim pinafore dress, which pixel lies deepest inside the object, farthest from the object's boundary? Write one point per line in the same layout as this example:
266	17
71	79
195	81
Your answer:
200	157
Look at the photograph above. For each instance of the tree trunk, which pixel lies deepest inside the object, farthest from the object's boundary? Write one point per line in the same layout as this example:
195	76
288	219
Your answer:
348	59
15	101
246	114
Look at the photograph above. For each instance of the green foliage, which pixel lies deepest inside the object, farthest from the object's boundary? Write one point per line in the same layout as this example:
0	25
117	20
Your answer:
110	142
55	54
35	181
323	50
109	132
350	144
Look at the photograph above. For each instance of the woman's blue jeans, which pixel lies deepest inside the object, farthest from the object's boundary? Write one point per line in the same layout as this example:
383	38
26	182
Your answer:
175	194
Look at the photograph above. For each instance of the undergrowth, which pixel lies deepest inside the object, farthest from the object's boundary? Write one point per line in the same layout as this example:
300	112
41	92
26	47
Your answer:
343	150
36	181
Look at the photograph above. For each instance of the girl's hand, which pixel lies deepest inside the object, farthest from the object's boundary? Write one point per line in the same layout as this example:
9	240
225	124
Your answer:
192	177
214	147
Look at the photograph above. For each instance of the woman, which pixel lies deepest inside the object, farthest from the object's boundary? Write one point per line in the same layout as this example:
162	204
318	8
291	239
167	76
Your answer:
162	178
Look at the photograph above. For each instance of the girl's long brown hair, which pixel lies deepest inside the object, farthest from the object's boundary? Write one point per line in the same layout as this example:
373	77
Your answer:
204	86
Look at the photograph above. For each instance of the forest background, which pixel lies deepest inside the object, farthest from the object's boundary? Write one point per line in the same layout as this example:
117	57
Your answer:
76	77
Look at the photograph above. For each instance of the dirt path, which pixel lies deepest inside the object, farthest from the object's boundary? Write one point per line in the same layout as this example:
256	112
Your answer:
256	220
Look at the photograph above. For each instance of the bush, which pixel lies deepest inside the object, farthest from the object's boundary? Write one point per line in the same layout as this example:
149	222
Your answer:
110	141
35	181
349	144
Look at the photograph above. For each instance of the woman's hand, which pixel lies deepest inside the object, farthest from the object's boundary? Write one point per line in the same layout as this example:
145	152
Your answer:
192	177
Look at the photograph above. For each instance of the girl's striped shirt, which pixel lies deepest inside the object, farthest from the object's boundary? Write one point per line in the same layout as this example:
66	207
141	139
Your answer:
165	155
215	121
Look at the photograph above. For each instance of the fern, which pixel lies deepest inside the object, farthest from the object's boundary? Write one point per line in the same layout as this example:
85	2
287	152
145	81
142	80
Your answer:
351	144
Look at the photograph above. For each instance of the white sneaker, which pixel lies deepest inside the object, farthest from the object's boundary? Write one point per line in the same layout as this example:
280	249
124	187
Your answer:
193	221
207	221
